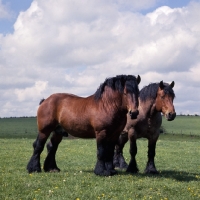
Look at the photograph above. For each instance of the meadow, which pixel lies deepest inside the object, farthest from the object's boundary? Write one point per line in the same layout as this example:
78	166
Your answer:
177	159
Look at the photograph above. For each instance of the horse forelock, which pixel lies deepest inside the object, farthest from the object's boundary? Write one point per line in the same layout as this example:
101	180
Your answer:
150	91
118	83
131	85
168	90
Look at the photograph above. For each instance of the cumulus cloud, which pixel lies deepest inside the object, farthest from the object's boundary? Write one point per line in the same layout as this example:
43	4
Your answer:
66	46
31	93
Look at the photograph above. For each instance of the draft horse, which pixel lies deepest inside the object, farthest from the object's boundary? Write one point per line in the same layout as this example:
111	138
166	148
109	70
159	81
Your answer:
153	99
101	116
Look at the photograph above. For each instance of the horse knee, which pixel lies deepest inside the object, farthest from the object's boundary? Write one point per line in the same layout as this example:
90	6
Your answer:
123	138
39	148
34	144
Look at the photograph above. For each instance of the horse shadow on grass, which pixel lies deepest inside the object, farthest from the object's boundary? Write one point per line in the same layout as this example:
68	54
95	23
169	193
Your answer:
176	175
171	174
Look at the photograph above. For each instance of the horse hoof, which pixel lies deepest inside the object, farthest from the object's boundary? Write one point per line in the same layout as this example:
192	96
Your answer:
106	173
132	171
113	172
116	165
151	172
151	169
52	170
31	169
34	171
123	166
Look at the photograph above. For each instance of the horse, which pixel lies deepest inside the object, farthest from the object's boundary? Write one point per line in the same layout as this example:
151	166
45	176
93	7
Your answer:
101	116
153	99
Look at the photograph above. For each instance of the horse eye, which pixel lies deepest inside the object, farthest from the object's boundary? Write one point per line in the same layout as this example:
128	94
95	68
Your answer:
162	97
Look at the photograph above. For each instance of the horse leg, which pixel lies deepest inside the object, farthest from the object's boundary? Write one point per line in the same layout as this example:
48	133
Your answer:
109	151
50	161
118	160
59	130
38	146
132	167
104	165
150	167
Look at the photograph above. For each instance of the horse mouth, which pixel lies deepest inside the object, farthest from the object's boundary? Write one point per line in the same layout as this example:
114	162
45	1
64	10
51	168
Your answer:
170	116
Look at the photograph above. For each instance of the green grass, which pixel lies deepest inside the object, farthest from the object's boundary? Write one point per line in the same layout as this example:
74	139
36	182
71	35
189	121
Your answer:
23	127
183	125
177	160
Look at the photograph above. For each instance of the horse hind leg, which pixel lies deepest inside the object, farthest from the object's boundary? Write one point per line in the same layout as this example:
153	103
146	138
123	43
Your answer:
50	161
38	146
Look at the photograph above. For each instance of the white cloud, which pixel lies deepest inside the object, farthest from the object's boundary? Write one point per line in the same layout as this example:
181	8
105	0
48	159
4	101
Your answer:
66	46
31	93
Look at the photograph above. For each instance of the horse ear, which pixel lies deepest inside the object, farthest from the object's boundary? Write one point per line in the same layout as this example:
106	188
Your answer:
138	79
172	84
161	85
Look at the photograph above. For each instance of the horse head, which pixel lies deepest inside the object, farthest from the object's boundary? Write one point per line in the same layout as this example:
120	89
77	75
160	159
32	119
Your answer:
131	93
164	100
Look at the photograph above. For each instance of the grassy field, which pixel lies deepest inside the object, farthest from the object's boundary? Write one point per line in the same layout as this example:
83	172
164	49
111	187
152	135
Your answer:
177	159
18	127
183	125
27	127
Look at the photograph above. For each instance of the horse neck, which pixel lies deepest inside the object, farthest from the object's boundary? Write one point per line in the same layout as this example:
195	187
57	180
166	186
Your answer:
148	107
112	101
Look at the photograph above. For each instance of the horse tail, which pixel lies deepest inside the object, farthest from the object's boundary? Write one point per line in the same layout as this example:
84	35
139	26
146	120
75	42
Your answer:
41	101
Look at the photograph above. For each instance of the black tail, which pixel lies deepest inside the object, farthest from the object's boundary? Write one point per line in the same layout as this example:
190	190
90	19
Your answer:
41	101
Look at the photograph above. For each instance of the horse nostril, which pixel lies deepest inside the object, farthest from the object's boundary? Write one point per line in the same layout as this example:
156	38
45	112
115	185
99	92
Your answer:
171	116
134	114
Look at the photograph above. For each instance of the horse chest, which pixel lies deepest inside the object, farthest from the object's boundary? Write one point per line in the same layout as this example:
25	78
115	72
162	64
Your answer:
145	127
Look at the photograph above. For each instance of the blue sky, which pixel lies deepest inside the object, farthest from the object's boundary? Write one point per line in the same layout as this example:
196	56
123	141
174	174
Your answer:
13	7
49	46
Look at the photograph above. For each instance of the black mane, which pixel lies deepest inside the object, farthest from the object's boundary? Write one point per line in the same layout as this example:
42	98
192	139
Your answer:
118	83
150	91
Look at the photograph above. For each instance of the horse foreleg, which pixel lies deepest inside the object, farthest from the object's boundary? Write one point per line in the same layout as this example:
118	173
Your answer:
109	158
132	167
151	168
38	146
104	165
50	161
118	159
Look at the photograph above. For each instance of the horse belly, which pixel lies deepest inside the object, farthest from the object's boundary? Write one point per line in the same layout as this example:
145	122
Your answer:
82	134
80	130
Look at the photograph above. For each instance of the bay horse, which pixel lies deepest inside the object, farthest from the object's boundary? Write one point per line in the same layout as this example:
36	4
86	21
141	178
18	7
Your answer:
153	99
101	116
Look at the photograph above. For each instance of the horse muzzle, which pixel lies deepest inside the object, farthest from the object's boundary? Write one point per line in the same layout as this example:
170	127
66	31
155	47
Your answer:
133	114
170	116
